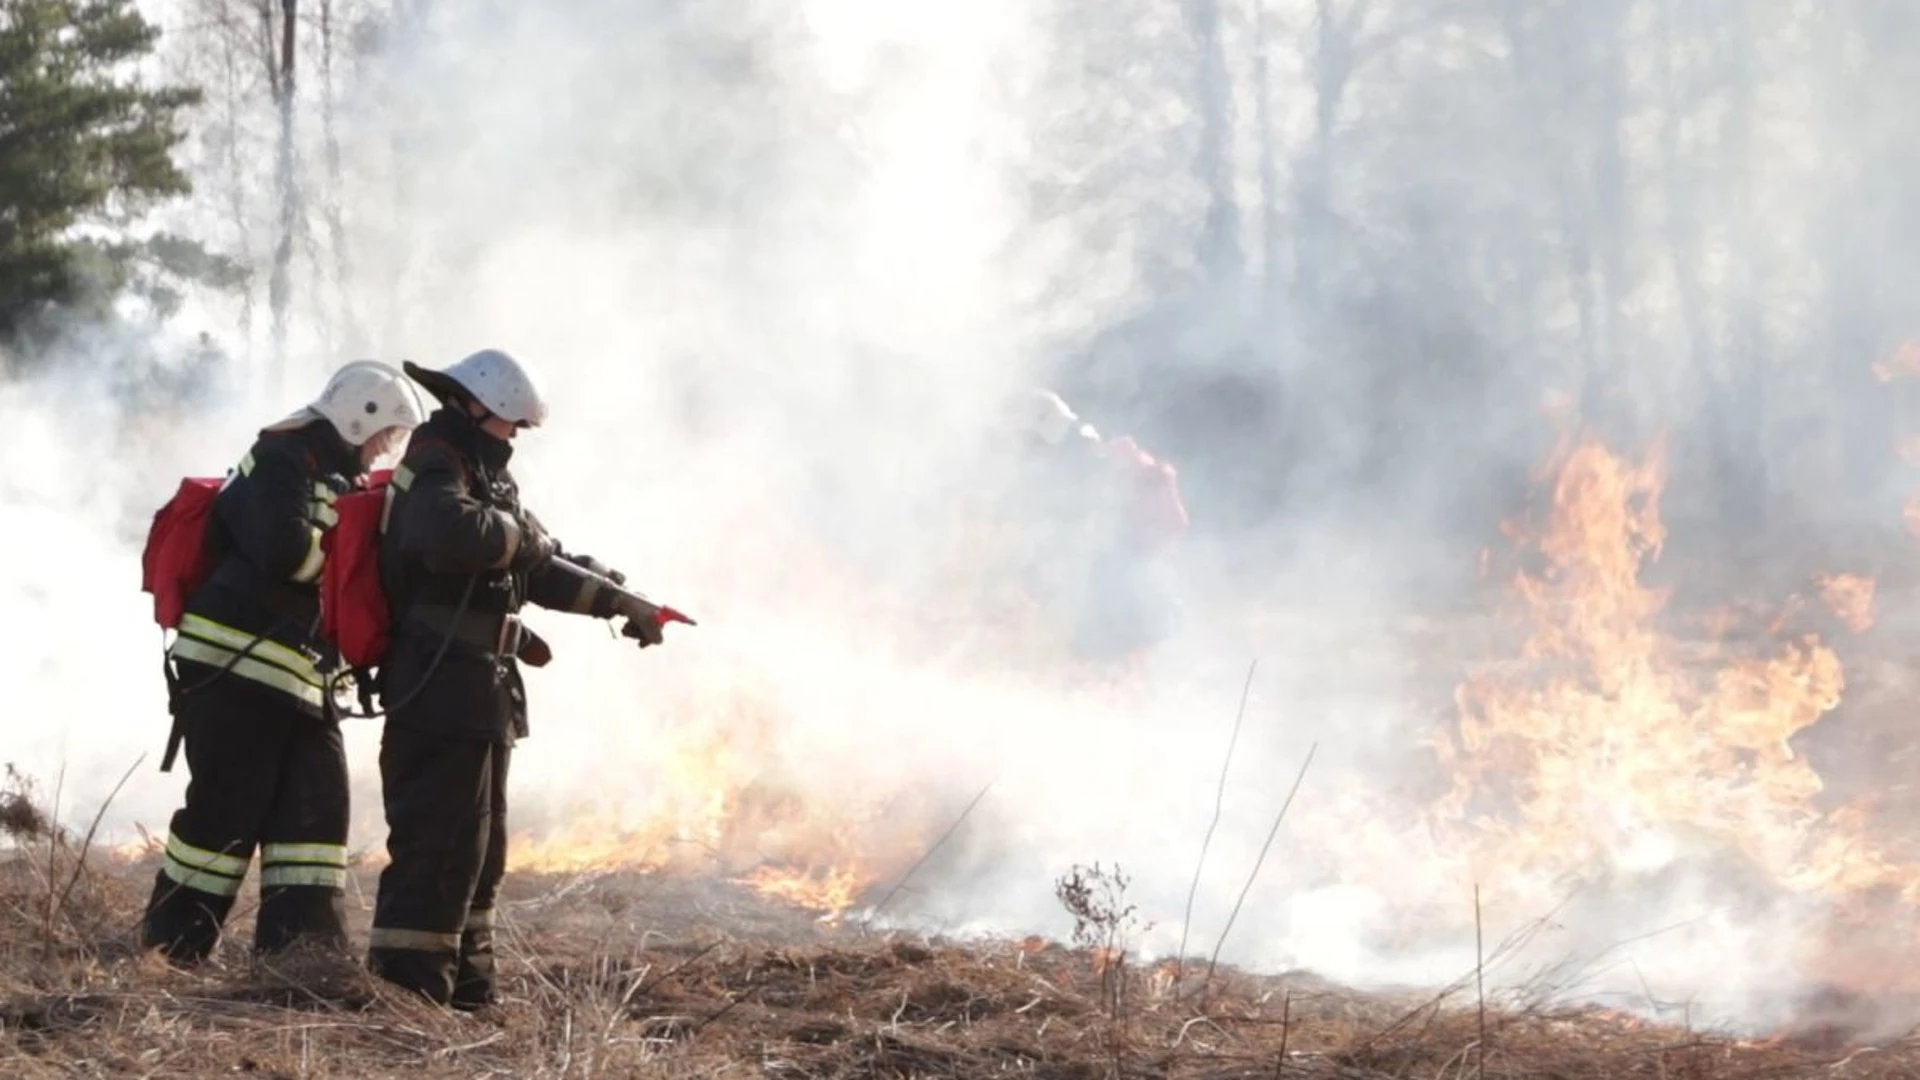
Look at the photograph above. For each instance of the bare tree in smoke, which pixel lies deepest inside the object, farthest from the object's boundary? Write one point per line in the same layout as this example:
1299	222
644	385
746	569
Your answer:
1221	254
1482	205
334	196
255	153
281	58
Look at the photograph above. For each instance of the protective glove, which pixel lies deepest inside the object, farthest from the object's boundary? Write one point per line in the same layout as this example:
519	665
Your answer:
643	619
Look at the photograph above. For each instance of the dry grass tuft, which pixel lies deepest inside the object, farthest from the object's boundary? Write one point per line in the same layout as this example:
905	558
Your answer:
21	819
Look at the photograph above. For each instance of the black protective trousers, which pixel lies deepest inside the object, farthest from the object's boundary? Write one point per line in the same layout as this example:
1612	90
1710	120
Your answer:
266	775
446	804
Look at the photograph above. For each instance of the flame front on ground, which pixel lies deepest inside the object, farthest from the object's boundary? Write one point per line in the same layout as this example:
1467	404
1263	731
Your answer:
1612	732
715	792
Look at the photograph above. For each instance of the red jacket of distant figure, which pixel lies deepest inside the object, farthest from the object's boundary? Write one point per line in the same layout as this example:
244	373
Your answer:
1156	515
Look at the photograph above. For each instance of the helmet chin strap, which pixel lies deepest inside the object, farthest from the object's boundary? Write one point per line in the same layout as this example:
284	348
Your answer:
479	414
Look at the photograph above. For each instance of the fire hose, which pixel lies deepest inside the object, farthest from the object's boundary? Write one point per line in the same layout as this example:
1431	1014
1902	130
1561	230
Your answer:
628	602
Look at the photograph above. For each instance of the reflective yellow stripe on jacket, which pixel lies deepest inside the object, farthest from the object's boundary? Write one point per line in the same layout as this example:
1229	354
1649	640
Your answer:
267	662
323	515
309	569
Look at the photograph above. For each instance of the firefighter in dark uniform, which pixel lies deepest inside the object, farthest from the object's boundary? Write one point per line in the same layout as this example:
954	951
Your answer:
459	557
248	686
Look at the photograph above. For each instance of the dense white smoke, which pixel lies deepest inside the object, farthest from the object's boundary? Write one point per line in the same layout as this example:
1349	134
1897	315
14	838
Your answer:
778	267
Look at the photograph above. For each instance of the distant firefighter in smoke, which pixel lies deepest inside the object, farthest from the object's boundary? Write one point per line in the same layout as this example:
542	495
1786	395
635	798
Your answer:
1097	517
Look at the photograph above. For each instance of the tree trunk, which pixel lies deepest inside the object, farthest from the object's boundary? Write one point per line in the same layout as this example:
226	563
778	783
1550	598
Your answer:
1682	227
1271	280
1220	256
1683	212
352	340
1332	69
1610	218
408	17
279	283
232	35
1546	98
1744	447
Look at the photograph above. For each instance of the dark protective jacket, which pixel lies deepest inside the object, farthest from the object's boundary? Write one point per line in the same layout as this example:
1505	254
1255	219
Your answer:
450	567
257	614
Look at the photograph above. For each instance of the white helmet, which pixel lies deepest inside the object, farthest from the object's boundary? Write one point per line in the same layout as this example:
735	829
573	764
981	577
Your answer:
1047	417
492	378
366	398
361	400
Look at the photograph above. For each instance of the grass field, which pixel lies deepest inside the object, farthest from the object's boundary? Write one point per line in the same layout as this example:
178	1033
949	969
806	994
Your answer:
630	975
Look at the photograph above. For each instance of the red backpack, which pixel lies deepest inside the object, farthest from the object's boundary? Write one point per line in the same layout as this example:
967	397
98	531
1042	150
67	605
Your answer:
176	560
353	605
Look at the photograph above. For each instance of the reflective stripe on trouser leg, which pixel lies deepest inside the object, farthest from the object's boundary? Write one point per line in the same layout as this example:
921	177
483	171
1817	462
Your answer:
427	941
197	883
198	868
324	865
193	891
438	797
181	921
303	849
237	741
302	896
473	980
422	961
474	983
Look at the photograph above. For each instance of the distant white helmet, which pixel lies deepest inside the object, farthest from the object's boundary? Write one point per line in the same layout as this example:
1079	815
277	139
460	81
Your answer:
361	400
366	398
1046	416
492	378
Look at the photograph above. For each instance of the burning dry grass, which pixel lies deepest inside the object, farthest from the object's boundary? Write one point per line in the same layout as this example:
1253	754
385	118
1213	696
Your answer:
658	976
658	973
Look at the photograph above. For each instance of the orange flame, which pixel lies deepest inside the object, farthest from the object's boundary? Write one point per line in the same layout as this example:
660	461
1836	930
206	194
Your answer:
716	798
1850	598
1610	731
830	890
1904	361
